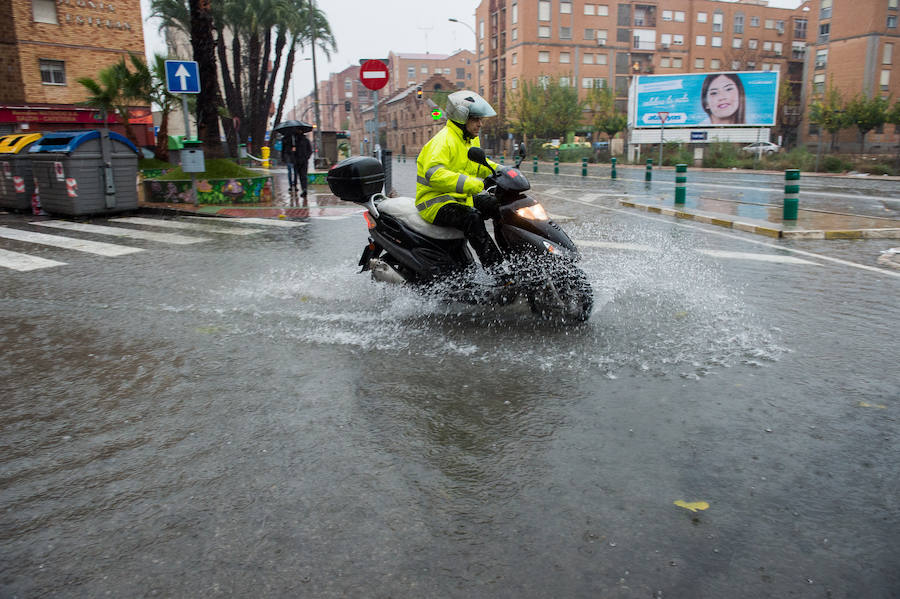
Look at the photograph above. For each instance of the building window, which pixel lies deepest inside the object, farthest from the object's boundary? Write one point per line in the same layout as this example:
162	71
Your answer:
460	73
564	82
601	35
735	65
887	54
423	70
698	63
819	83
515	58
514	14
825	9
665	62
515	34
718	21
589	9
44	11
481	29
515	83
53	72
885	80
588	59
678	40
565	58
677	61
716	42
751	65
679	16
600	58
715	64
543	10
892	21
754	21
753	44
544	81
665	39
701	17
667	15
798	50
565	8
593	82
824	32
589	34
800	29
602	10
700	40
543	31
565	33
892	4
821	59
543	56
739	22
778	47
767	46
770	24
736	42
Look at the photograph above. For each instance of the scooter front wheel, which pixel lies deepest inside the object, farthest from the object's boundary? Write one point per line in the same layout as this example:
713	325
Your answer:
565	296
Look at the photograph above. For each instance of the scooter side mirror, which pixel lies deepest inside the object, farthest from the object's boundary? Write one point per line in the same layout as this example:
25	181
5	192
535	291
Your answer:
477	155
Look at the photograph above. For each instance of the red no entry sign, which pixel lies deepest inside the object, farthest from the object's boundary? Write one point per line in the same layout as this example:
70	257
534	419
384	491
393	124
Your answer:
373	74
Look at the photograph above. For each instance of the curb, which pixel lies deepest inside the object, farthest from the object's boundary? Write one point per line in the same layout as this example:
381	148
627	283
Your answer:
774	231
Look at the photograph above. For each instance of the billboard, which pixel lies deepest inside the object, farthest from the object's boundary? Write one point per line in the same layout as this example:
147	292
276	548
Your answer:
707	99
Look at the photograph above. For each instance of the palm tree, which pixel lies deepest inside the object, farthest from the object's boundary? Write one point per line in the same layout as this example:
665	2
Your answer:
108	95
148	85
208	100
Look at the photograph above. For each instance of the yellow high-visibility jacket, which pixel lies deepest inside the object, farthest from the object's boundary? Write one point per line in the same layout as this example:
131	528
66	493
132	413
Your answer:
445	174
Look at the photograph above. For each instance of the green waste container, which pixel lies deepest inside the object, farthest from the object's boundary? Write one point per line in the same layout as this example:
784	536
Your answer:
16	178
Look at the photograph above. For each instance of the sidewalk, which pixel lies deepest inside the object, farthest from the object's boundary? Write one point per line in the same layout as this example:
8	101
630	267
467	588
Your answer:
766	219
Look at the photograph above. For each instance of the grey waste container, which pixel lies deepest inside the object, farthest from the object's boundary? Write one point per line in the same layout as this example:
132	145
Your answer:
85	172
16	180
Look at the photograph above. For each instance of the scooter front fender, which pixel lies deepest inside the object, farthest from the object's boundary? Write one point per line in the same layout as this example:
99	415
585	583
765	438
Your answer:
521	241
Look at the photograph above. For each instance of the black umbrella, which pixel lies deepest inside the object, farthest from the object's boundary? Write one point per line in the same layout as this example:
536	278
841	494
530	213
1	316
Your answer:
289	126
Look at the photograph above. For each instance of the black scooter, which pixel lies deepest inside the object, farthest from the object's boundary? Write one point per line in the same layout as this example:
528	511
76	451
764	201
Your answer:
404	248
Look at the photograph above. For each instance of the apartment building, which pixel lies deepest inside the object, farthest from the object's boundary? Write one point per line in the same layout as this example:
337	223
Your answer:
852	46
409	69
48	45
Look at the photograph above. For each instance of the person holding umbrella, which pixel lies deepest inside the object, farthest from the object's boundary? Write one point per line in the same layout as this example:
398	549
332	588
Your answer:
295	152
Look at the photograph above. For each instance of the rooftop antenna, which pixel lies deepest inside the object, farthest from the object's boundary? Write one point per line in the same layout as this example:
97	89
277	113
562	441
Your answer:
426	30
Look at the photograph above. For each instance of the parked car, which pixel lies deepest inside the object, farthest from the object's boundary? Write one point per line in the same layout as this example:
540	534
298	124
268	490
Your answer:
762	147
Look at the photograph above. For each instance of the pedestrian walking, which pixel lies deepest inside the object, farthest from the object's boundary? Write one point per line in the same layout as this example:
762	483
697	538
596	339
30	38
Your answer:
295	152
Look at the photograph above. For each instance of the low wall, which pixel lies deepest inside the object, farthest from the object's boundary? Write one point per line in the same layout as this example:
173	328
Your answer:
250	190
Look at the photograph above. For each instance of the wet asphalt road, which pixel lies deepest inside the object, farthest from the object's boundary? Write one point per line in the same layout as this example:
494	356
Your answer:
247	416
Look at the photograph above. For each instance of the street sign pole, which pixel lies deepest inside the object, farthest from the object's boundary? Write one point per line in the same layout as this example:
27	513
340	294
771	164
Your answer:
374	75
662	126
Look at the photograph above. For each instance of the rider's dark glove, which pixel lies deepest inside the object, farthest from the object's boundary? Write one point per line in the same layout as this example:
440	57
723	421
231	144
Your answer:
486	204
489	181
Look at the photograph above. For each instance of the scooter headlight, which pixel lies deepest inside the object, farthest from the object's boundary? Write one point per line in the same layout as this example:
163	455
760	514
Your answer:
534	212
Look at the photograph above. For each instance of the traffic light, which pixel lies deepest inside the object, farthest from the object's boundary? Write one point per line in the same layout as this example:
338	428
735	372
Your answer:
419	92
347	105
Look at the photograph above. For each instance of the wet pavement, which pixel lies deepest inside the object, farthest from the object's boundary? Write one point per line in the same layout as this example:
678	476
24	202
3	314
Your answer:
246	415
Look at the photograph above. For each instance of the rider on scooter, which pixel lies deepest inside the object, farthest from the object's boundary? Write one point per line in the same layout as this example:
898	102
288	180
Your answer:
449	187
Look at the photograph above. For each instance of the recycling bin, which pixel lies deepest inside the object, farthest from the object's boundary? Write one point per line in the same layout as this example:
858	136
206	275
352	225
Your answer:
16	179
85	172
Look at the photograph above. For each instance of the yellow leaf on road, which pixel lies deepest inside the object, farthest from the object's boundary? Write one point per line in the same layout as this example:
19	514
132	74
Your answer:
865	404
692	505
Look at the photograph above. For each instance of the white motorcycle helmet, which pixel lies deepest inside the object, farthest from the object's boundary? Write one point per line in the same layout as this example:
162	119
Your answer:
463	104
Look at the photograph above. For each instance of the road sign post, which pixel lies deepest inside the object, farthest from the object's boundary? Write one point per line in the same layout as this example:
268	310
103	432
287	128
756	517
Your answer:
183	77
663	116
374	75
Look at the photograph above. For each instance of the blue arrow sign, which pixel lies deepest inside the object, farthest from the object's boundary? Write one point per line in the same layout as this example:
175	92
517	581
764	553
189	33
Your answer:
182	77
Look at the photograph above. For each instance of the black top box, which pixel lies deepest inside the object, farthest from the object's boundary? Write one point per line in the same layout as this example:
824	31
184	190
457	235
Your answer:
356	179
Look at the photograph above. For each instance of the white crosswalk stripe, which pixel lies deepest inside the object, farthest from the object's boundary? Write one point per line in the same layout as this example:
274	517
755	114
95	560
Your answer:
69	243
177	224
24	262
121	232
267	222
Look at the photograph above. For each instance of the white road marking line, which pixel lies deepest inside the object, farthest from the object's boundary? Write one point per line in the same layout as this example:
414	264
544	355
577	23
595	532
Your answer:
120	232
812	192
69	243
759	257
269	222
615	245
24	262
174	224
680	223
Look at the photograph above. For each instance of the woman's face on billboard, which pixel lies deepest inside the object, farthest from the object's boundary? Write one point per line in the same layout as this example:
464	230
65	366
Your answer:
722	99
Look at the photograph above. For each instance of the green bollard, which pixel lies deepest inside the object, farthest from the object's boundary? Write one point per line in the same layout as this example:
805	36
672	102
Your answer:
501	158
556	163
648	176
791	193
534	164
584	167
680	183
612	172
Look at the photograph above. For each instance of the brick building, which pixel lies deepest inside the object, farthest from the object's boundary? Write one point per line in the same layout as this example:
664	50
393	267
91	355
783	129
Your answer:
410	69
48	45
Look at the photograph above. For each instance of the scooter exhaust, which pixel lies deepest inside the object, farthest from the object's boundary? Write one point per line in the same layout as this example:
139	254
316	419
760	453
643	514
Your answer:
384	272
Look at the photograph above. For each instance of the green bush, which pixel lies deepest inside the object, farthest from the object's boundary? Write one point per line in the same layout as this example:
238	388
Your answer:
721	155
676	153
574	154
877	169
216	168
834	164
798	158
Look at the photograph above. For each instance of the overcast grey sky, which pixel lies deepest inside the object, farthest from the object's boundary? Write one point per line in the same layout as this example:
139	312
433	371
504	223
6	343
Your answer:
371	28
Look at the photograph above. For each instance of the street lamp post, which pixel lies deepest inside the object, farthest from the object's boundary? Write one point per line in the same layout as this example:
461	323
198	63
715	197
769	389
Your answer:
318	134
477	55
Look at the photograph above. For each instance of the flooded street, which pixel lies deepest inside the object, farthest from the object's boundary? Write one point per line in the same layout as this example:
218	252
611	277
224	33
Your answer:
248	416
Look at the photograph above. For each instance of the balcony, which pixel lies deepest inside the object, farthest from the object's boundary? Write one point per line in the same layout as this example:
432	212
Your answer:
643	45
